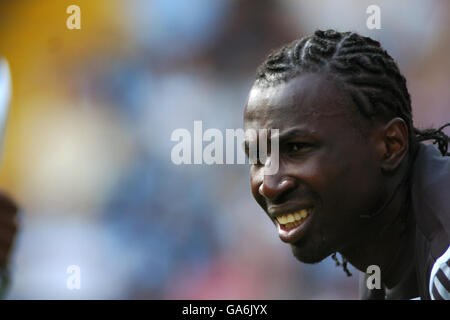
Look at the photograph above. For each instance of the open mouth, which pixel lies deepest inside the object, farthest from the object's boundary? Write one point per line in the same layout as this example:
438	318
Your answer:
291	226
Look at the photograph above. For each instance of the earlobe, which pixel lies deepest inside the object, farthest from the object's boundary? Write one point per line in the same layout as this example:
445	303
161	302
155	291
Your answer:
395	139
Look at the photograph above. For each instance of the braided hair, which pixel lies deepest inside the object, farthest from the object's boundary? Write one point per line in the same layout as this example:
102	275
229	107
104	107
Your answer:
369	74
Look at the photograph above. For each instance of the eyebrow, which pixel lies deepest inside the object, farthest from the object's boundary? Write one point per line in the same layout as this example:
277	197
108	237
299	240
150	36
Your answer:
294	133
286	135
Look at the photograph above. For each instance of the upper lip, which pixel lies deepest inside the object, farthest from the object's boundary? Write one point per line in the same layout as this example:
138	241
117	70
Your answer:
275	211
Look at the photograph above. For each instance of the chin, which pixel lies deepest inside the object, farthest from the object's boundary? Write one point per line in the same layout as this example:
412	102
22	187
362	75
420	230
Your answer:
308	255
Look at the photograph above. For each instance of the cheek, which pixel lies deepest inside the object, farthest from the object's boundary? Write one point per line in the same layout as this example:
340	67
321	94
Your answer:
327	175
315	172
349	185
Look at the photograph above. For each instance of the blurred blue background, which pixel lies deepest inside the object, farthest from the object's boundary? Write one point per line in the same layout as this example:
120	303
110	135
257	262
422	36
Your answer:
87	149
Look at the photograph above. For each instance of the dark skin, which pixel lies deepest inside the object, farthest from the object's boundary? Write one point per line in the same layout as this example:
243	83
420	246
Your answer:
325	161
8	227
8	231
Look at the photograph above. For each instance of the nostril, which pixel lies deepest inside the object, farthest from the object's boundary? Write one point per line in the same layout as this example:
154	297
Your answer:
273	190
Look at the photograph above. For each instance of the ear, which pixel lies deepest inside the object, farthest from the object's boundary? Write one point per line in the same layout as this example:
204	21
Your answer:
395	144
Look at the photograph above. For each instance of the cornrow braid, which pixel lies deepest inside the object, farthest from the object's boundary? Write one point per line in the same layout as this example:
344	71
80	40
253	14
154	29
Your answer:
343	263
439	137
369	74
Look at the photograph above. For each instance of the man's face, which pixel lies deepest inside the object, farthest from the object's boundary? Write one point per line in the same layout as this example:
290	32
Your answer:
327	170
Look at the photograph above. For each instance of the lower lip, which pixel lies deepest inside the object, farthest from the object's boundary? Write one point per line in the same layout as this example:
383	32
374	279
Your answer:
296	233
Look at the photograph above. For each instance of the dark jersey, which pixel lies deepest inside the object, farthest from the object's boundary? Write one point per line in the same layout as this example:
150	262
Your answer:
428	276
431	208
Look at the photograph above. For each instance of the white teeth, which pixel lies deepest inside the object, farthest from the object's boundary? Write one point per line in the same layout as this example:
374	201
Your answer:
282	219
303	213
294	217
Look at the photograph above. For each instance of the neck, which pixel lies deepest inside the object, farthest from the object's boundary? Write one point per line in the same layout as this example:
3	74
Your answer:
384	241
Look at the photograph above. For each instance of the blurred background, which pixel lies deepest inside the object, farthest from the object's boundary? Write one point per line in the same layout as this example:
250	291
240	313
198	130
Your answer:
87	143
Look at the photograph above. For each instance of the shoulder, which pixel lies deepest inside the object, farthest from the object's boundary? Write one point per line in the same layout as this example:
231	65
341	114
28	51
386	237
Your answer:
430	189
431	173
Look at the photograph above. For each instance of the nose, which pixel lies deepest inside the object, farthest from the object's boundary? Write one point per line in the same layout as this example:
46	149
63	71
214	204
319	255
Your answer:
274	187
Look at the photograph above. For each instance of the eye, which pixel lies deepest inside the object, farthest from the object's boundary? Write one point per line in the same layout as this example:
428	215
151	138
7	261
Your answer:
295	147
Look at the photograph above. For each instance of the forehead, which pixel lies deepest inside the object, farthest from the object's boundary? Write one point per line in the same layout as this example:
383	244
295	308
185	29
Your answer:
310	101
